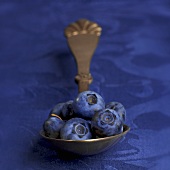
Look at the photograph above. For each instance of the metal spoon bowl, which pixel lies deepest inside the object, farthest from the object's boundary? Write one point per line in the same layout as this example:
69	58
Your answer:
85	147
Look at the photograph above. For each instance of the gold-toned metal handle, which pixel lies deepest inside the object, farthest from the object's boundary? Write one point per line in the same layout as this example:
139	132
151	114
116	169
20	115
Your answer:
82	37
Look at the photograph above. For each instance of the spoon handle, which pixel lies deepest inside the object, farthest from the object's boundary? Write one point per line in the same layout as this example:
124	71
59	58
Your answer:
82	37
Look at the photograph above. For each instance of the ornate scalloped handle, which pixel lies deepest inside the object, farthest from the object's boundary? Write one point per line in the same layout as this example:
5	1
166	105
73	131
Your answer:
82	37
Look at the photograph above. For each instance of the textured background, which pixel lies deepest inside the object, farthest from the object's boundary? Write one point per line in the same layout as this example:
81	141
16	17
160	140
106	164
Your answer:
131	65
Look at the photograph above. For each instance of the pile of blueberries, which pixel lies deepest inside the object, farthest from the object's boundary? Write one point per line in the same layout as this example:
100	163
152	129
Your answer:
87	117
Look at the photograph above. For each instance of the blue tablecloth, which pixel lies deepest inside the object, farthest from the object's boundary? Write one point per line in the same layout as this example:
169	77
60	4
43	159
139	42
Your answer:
131	65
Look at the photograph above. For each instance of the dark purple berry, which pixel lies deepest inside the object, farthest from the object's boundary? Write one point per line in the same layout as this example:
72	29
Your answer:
76	129
57	109
119	108
52	126
87	103
106	122
67	110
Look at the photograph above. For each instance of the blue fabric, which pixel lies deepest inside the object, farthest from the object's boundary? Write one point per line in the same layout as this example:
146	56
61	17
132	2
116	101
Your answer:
131	65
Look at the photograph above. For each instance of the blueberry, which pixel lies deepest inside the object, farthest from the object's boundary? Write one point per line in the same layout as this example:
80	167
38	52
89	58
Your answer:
52	126
89	122
76	129
57	110
118	107
67	110
87	103
106	122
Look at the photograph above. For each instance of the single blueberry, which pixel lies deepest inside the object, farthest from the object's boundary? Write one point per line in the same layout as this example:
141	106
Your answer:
67	110
76	129
118	107
87	103
57	110
106	122
52	126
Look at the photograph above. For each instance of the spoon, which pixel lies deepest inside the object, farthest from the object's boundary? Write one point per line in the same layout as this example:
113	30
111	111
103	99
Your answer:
82	37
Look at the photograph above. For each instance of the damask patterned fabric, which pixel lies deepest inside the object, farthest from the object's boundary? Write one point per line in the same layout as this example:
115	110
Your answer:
131	65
